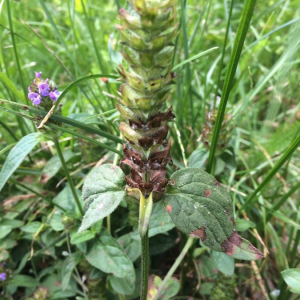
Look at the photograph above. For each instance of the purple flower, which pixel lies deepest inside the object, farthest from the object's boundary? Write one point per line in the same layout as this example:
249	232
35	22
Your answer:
3	276
44	89
54	95
35	98
38	74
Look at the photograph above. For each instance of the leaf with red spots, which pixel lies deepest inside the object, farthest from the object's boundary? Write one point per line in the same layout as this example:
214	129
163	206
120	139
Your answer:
202	207
103	190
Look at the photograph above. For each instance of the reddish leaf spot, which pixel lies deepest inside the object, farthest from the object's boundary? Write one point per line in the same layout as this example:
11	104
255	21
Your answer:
217	183
172	182
207	193
57	283
104	79
101	205
169	208
201	233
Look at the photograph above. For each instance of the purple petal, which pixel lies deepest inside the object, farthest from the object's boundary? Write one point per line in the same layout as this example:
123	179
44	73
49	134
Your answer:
44	89
53	96
38	74
37	100
32	95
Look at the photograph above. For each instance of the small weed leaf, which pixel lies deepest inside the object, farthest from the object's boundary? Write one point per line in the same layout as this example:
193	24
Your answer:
292	278
17	155
201	207
107	255
171	289
103	190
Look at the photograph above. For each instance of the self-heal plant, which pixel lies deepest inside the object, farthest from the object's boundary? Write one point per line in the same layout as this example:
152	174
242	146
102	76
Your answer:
196	202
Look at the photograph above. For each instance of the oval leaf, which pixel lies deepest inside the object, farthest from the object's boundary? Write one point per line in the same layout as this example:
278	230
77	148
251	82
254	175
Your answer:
103	190
202	207
108	255
17	155
292	279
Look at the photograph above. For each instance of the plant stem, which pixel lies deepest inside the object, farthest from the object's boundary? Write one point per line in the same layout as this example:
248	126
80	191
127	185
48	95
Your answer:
144	266
70	181
178	260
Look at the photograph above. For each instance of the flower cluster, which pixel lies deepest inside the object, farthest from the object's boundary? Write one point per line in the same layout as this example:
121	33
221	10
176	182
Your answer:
40	91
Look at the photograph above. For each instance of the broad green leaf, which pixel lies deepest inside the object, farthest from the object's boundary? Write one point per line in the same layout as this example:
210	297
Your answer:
108	255
67	269
170	290
224	263
292	279
4	231
120	285
24	281
131	246
103	190
56	222
54	165
201	207
17	155
32	227
66	199
80	237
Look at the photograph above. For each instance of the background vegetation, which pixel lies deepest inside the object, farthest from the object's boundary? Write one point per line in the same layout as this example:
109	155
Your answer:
70	39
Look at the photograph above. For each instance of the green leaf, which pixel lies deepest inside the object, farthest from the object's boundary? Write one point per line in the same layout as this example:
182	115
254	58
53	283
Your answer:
120	285
103	190
66	200
131	246
17	155
4	231
224	263
67	269
108	255
243	225
170	290
80	237
32	227
202	207
24	281
292	278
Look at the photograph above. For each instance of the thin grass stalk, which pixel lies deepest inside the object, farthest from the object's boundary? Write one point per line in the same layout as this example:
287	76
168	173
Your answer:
177	262
271	174
223	52
70	181
230	74
186	56
15	49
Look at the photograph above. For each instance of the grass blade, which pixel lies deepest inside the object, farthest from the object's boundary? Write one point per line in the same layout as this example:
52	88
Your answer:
271	173
230	74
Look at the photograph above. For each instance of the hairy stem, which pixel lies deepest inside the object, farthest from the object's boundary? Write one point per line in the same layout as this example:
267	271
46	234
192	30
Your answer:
144	266
70	181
